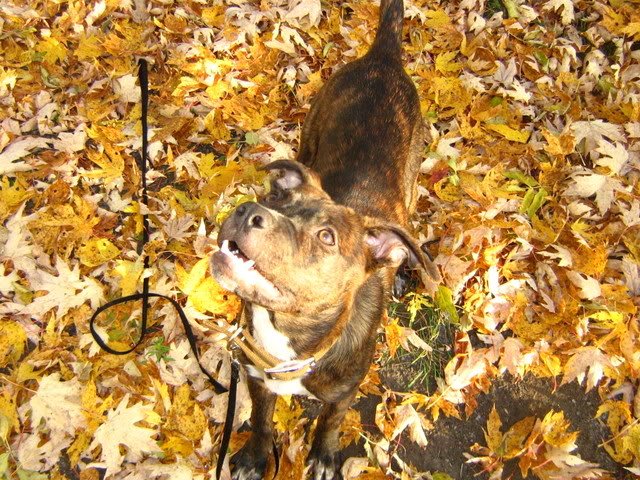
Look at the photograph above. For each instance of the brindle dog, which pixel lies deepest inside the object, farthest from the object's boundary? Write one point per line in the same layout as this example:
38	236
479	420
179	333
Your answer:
315	258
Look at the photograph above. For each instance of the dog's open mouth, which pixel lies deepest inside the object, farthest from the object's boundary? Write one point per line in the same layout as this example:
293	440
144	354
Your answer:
231	249
236	272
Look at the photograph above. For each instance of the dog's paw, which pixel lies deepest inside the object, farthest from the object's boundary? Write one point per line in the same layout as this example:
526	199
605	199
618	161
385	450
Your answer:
248	465
324	465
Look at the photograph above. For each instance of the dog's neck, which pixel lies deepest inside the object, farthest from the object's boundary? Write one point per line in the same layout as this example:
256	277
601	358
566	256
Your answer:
288	336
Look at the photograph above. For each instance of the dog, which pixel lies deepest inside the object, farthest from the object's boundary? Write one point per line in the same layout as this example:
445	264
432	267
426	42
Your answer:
315	258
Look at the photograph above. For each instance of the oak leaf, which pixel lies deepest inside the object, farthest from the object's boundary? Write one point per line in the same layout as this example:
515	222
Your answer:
64	291
120	430
57	403
11	158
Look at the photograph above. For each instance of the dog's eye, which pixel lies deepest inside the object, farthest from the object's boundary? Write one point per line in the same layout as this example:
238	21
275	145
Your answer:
326	236
272	196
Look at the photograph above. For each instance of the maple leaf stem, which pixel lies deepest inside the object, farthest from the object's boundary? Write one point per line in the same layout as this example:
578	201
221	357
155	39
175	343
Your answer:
620	433
5	379
488	468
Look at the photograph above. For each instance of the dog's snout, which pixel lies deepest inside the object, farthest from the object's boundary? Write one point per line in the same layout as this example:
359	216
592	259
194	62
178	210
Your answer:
251	215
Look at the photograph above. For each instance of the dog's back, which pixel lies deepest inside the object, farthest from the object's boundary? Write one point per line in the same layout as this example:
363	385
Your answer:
364	132
315	256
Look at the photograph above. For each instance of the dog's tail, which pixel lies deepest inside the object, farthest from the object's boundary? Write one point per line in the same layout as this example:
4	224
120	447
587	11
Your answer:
389	34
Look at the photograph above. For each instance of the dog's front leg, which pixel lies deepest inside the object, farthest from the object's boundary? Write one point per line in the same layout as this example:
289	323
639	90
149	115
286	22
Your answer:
250	463
324	457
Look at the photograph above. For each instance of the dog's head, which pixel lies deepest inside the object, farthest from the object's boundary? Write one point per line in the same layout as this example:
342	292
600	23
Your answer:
296	251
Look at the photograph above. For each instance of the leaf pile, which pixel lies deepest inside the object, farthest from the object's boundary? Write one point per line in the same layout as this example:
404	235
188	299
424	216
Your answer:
530	184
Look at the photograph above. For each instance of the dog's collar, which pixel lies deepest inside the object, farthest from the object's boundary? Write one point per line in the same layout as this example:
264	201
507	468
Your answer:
239	338
273	367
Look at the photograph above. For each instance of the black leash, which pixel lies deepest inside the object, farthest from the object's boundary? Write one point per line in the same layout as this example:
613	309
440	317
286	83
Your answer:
146	295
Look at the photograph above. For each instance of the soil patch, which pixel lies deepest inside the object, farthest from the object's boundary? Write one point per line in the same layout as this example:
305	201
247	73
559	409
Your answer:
515	400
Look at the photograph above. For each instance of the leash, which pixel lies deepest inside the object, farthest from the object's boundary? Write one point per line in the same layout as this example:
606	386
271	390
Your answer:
146	295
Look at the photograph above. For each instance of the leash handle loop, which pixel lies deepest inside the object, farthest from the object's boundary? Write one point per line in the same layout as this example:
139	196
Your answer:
146	295
218	388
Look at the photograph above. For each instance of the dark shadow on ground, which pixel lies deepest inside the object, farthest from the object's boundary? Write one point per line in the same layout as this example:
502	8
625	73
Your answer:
514	400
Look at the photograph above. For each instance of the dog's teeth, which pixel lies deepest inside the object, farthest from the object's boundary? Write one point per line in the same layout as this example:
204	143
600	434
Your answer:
224	248
249	263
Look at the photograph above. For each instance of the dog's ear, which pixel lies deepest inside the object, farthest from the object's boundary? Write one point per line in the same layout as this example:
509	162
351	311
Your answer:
293	174
390	245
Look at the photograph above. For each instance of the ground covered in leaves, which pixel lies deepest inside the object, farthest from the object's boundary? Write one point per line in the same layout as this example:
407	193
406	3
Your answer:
530	202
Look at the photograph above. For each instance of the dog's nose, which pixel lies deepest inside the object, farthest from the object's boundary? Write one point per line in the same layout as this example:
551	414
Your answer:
250	215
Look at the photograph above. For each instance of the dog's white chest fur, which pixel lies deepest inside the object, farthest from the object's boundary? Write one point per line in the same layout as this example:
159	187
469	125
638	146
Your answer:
277	344
273	341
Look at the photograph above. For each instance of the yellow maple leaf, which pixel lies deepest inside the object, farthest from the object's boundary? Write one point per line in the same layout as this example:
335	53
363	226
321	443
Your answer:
88	47
9	420
13	194
509	133
26	372
447	191
62	227
493	435
247	110
618	298
515	437
563	144
214	16
176	444
613	21
631	441
451	95
445	64
186	416
53	50
8	77
618	416
437	18
307	90
189	282
218	90
204	292
220	177
554	428
93	408
591	260
215	125
207	165
384	417
97	251
186	85
110	161
393	332
287	413
134	207
552	362
130	273
12	342
115	45
473	187
350	428
632	29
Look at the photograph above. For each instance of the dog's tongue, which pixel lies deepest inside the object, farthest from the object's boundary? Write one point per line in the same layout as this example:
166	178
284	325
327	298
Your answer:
242	275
